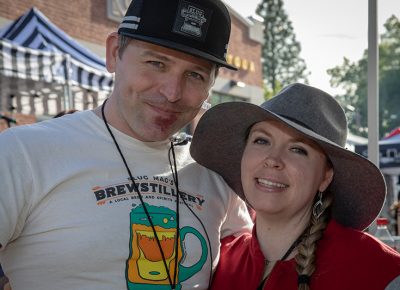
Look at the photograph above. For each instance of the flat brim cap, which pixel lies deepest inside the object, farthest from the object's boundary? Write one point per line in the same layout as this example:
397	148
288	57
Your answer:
219	140
197	27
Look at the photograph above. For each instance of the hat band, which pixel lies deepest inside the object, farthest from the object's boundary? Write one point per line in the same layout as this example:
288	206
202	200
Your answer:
296	121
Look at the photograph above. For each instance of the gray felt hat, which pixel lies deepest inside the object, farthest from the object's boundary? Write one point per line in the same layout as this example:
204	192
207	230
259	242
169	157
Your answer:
358	185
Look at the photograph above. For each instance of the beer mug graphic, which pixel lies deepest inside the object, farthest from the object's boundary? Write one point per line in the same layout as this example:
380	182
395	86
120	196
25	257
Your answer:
145	267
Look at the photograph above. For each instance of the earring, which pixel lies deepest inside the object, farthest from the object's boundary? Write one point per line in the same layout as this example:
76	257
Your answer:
318	207
206	105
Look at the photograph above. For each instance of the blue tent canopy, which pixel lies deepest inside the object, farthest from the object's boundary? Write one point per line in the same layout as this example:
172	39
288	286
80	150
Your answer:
33	30
389	152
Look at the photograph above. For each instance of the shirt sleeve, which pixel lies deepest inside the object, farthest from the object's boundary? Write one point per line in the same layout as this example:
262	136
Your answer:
238	219
15	184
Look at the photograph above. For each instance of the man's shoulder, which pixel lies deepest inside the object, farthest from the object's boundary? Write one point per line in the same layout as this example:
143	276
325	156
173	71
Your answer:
195	177
48	132
196	170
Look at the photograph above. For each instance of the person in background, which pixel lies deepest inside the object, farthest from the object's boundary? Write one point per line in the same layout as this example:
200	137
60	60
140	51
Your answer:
394	211
3	279
313	198
110	198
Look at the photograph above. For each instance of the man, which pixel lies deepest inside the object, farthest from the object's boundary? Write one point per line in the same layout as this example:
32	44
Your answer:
108	199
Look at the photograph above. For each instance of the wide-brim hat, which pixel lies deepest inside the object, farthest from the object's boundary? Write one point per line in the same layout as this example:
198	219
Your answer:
197	27
358	185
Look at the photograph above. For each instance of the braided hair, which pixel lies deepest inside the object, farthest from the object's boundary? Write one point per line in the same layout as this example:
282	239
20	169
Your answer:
306	257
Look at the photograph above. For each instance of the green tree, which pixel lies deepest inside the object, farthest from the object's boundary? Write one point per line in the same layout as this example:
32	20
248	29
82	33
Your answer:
281	59
351	77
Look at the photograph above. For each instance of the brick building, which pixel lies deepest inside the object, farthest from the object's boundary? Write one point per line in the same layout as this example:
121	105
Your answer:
90	21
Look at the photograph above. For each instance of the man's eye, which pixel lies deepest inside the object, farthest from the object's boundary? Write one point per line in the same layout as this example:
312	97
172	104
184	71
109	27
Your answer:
196	76
156	64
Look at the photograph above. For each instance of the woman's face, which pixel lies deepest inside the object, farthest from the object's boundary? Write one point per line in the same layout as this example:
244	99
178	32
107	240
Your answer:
282	171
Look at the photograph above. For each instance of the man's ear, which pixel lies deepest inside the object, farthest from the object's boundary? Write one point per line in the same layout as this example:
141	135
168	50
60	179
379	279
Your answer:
111	51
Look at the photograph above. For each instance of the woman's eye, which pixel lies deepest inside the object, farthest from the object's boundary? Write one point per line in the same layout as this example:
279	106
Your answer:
300	151
260	141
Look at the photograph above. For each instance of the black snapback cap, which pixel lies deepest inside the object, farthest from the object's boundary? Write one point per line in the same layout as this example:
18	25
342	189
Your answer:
197	27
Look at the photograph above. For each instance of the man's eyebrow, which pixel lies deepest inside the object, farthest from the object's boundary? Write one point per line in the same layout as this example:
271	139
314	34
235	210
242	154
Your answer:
156	55
167	59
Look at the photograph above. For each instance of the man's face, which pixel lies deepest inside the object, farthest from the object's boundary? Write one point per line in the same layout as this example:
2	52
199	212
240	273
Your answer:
157	90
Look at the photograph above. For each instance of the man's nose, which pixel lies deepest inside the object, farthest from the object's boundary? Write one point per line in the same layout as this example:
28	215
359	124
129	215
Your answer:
172	87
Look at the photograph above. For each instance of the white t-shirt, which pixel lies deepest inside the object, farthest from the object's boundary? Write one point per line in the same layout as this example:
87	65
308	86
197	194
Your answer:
70	218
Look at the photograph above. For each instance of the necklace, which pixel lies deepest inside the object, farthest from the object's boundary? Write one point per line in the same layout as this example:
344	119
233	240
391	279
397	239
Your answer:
171	281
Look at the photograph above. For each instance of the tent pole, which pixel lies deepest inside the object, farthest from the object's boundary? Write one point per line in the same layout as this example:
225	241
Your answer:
68	104
373	83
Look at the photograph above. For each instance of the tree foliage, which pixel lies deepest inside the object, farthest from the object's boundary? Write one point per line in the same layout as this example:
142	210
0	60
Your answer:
281	59
351	77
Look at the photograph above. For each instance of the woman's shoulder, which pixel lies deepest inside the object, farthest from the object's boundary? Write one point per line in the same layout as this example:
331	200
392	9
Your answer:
239	246
240	241
355	258
348	238
347	244
245	245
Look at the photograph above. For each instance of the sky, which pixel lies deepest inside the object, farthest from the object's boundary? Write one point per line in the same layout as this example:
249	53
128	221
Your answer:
328	30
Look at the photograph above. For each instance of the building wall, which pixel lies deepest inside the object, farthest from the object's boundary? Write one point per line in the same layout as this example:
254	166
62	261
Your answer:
247	50
81	19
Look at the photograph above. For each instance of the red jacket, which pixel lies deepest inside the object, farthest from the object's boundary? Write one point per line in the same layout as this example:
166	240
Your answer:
346	259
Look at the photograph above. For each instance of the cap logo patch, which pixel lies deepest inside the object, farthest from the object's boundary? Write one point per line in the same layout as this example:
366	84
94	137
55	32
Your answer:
192	20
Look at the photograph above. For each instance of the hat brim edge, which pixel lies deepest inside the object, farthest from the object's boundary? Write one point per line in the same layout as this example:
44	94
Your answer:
181	48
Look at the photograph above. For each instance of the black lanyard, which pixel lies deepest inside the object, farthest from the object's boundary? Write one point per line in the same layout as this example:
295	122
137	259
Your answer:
173	281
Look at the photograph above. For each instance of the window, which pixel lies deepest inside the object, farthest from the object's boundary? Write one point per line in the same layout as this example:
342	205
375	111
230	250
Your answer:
218	98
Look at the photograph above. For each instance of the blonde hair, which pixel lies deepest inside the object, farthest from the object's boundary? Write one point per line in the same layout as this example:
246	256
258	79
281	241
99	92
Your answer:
306	255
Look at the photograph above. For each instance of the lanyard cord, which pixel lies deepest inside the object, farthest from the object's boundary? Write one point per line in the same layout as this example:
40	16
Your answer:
175	177
292	247
172	284
288	252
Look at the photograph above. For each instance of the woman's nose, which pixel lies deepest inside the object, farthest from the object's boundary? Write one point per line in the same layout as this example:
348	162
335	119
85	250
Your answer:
273	161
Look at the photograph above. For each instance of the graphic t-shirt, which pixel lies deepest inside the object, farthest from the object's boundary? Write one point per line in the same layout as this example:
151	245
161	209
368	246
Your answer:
70	217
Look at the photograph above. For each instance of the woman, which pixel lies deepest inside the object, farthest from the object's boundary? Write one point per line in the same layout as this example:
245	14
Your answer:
312	197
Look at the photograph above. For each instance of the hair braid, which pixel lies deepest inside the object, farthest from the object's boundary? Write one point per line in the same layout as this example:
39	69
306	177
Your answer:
305	257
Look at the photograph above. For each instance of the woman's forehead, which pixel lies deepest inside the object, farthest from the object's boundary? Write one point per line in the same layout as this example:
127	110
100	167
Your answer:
295	135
